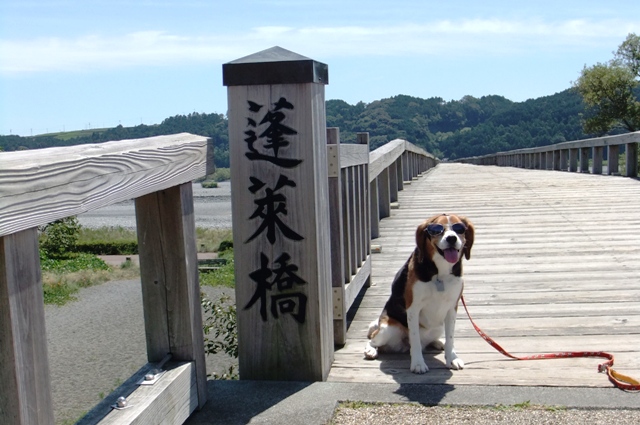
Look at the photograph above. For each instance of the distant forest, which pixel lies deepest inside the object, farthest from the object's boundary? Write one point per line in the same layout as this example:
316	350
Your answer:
454	129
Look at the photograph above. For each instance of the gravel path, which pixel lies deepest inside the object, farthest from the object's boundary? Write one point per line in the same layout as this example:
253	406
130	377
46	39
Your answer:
411	414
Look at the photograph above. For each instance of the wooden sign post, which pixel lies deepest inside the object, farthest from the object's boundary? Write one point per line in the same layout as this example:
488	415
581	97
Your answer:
279	189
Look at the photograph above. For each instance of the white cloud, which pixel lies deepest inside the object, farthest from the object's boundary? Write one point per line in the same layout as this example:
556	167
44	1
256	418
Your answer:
446	37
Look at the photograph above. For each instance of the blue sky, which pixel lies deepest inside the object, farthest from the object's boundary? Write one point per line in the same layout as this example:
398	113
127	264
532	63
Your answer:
77	64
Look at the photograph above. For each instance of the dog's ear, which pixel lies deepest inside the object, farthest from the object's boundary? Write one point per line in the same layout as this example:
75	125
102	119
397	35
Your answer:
468	237
421	240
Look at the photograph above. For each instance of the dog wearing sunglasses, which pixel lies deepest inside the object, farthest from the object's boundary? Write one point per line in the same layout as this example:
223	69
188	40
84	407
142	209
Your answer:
425	294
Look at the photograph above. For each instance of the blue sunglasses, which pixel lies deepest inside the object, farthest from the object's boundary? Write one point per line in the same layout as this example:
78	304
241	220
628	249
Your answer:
438	229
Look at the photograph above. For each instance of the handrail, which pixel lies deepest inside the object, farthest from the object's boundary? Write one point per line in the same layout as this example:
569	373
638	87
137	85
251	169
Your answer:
386	154
43	185
40	186
566	156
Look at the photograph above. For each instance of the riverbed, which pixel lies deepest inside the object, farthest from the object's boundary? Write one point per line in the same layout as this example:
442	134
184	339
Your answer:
212	209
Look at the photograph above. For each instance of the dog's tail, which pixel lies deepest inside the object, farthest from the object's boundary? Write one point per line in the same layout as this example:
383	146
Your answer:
374	327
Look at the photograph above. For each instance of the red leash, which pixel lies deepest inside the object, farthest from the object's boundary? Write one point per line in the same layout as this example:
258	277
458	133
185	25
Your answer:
619	380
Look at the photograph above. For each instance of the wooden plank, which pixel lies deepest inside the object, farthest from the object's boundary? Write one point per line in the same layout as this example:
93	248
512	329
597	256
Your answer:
336	228
25	392
352	220
347	223
169	278
169	401
42	185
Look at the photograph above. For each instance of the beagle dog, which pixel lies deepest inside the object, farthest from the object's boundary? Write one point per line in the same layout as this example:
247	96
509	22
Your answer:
425	294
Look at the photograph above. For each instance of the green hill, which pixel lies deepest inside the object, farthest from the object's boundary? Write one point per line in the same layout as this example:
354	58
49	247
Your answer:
449	129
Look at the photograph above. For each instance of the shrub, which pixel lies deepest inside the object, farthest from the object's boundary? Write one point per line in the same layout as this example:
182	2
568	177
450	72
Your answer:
220	175
59	238
220	322
209	184
225	245
108	247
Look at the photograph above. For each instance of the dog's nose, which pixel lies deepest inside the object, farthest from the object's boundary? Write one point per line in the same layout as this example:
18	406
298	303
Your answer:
452	239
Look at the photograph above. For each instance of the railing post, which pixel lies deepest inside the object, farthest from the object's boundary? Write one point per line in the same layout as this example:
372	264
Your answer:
399	172
384	194
337	237
631	155
364	200
393	182
584	160
280	207
597	159
406	167
573	160
564	158
25	383
613	152
556	160
169	277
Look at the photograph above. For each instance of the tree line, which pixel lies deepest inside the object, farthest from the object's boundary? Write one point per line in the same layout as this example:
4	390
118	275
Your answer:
467	127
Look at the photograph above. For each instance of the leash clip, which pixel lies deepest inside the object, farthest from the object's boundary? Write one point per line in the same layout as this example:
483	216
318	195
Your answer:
602	368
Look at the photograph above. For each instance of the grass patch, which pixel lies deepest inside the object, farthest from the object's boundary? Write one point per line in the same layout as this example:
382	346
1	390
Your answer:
111	234
63	278
223	276
74	263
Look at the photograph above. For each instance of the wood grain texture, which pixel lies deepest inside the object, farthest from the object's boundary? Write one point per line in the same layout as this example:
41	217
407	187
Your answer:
169	401
545	275
42	185
25	392
278	346
169	278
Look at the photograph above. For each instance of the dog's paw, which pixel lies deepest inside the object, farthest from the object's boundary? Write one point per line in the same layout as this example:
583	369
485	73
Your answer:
419	366
456	364
370	352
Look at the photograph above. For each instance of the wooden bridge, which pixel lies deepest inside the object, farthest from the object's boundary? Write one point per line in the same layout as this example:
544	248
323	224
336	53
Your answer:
554	268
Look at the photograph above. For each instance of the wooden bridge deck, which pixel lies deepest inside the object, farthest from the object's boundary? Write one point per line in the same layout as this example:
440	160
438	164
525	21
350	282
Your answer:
555	267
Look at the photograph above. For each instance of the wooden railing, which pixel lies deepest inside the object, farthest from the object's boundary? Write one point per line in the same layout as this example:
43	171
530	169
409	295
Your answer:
40	186
571	156
363	187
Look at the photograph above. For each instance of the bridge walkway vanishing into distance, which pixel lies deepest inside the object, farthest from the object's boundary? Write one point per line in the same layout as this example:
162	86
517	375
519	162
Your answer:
554	267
